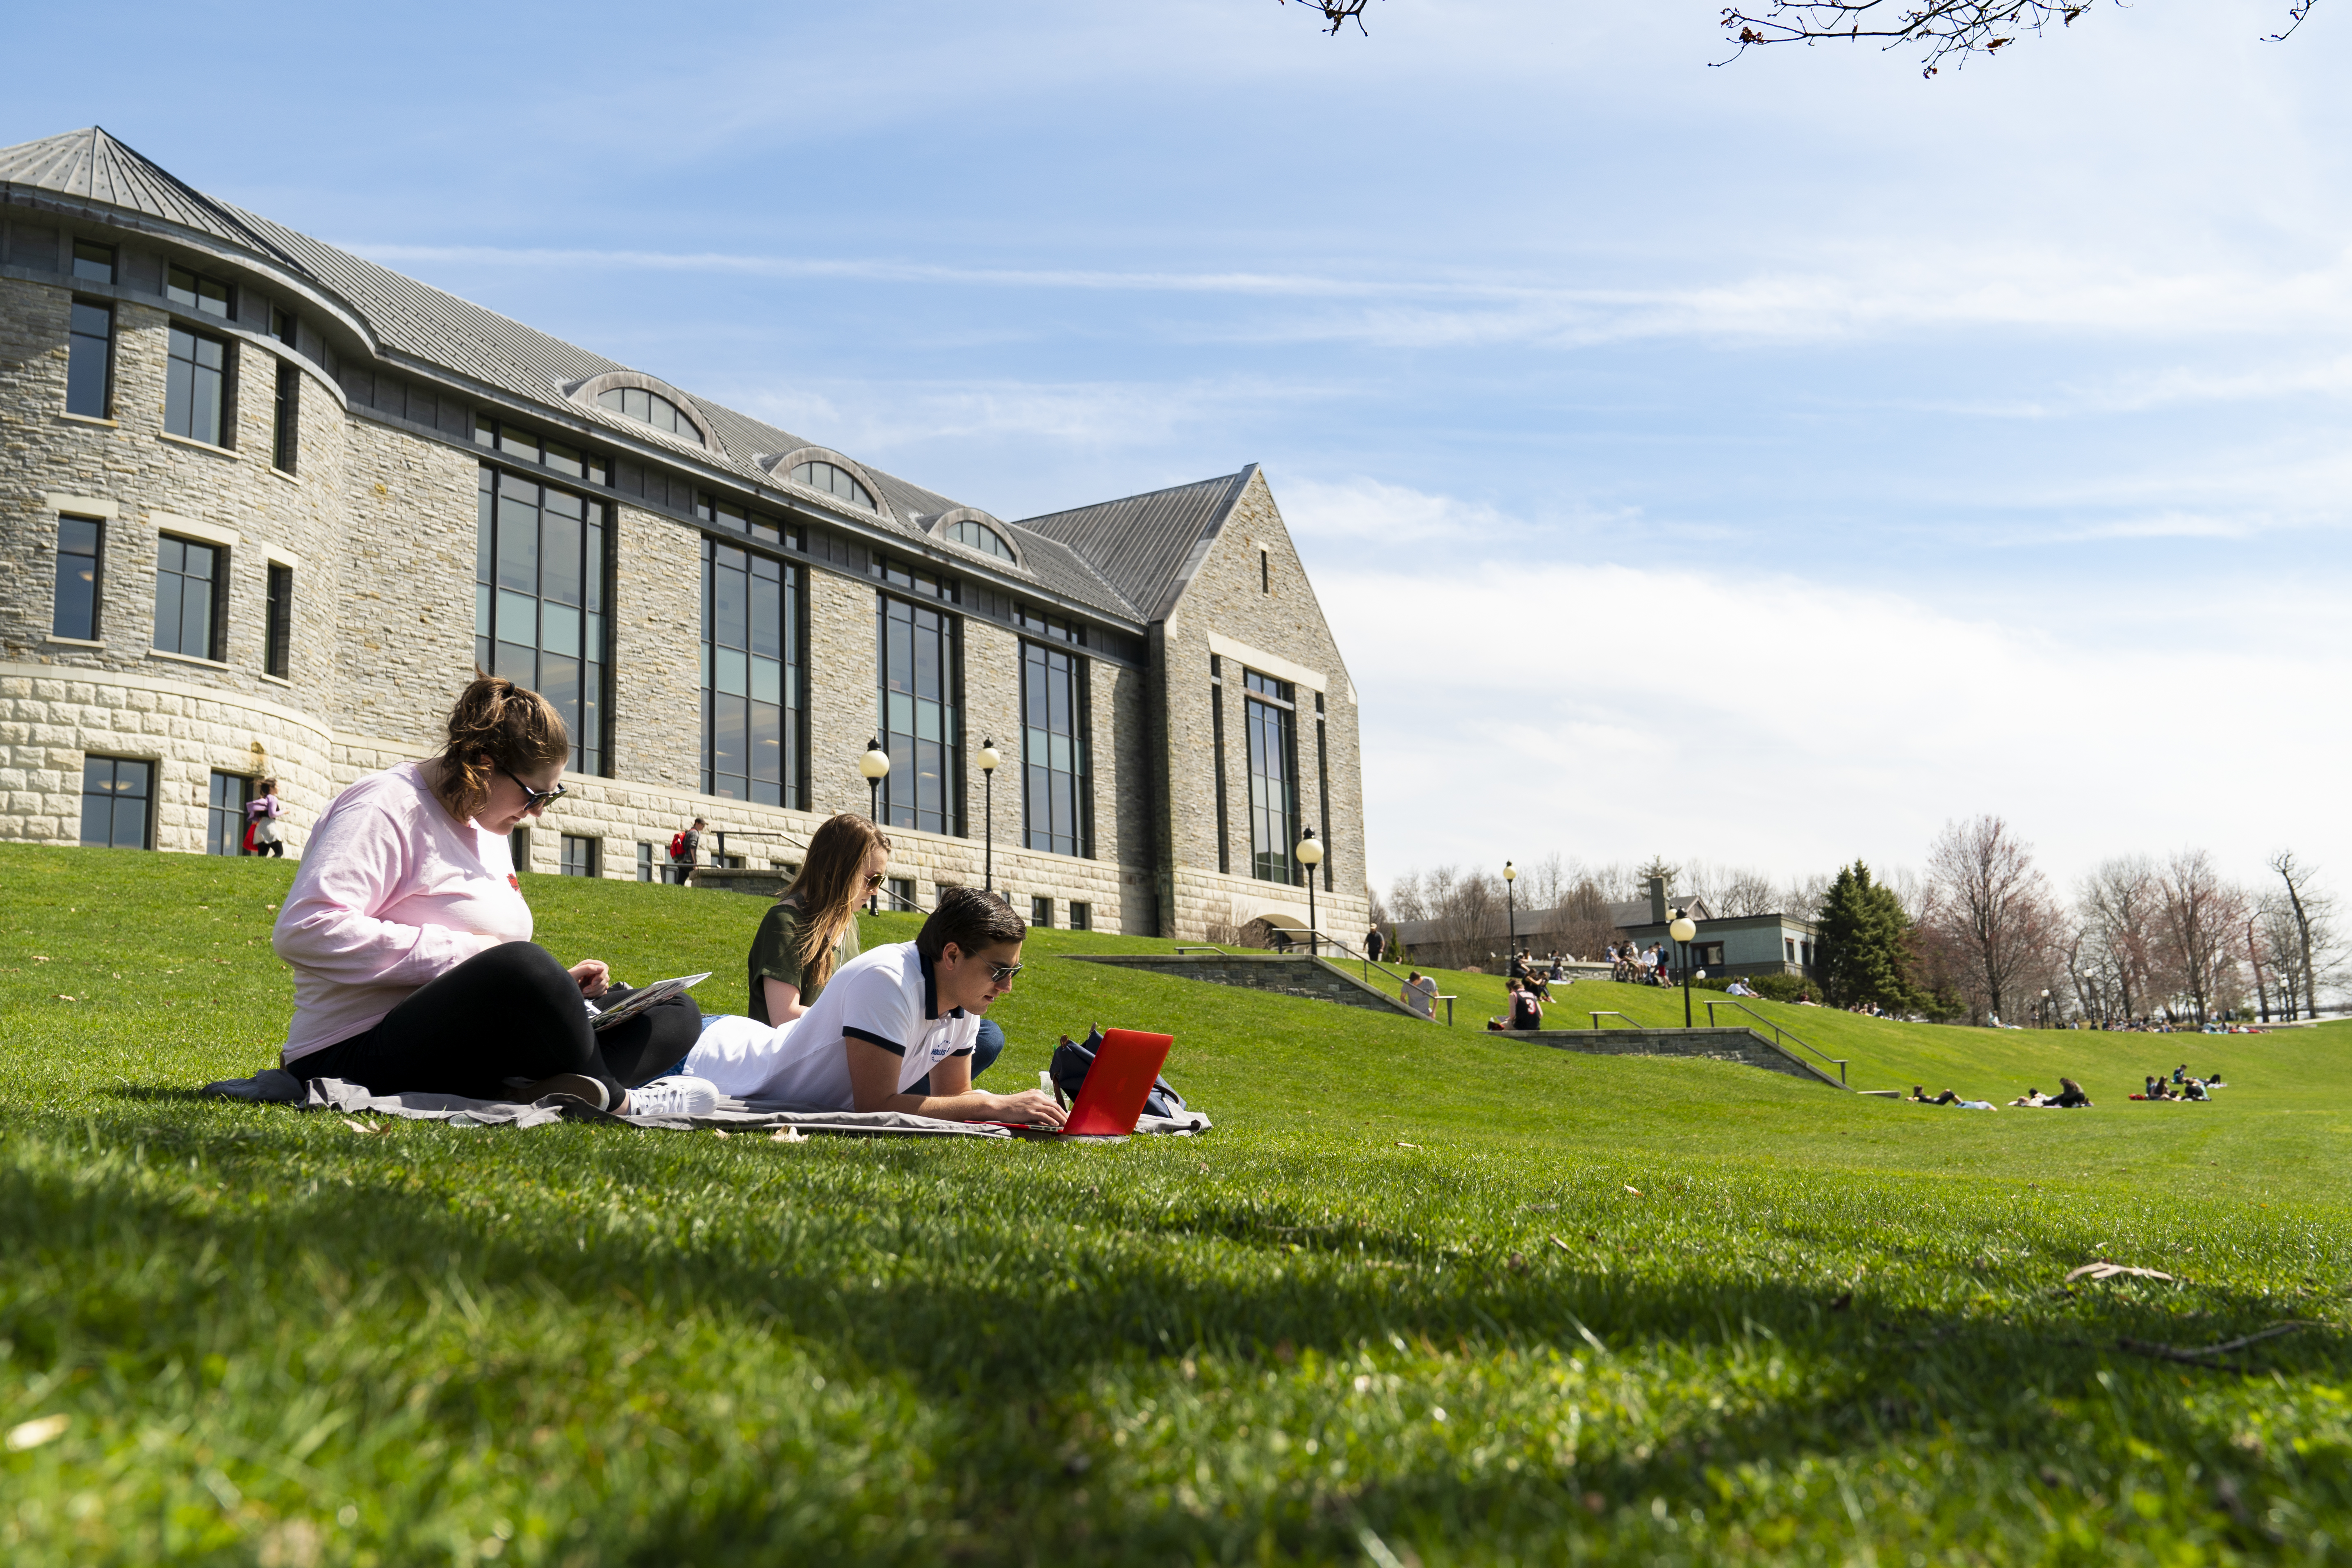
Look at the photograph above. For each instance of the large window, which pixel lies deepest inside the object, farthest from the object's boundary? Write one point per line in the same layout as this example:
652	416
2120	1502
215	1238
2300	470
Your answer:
921	660
1217	741
980	536
80	545
278	648
753	713
576	856
191	580
93	261
1323	791
285	432
540	581
1058	798
193	291
1273	774
835	480
90	363
196	393
115	796
533	447
650	408
224	814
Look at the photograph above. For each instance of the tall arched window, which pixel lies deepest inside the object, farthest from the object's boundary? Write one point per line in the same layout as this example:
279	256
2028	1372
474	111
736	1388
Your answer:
649	408
834	479
980	536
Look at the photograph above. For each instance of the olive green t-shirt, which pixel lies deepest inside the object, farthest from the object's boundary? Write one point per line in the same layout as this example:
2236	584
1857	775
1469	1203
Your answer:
774	956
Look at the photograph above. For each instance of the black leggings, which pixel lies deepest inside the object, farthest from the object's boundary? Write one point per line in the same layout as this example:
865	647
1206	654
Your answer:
512	1012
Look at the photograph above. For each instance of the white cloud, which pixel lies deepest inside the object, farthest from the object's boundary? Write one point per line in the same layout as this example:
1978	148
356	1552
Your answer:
1612	710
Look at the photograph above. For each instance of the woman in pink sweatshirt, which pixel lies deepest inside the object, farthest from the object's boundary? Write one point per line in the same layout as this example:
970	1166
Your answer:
410	941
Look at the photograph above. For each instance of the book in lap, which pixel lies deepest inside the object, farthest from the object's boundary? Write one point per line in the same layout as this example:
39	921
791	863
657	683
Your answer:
637	1001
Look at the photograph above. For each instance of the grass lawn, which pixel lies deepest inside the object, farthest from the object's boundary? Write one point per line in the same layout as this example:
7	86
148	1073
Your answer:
1424	1295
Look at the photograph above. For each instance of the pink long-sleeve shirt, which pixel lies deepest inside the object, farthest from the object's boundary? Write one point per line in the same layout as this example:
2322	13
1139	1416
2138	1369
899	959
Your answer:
391	893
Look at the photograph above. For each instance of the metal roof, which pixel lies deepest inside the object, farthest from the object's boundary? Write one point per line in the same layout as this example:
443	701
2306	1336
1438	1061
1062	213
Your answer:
1144	544
1124	558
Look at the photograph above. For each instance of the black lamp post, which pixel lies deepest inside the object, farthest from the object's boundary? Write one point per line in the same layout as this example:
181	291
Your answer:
1310	855
1510	913
988	760
1682	931
875	767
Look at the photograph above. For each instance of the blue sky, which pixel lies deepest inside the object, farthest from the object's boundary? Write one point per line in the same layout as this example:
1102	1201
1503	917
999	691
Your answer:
1762	464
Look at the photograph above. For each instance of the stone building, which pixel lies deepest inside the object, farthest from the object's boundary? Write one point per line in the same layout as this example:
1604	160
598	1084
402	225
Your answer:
267	506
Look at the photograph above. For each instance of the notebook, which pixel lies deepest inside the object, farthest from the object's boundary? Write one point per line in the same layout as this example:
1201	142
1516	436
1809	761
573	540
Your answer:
637	1001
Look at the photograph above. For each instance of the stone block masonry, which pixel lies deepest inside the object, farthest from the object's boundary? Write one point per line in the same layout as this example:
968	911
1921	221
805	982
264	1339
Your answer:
394	388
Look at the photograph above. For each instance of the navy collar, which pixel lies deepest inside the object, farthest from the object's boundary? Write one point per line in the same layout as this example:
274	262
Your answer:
932	989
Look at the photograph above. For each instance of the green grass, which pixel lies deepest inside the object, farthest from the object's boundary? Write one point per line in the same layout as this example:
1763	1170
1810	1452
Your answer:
1424	1294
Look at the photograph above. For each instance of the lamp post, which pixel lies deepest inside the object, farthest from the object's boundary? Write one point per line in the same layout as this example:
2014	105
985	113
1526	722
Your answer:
988	760
2045	1007
876	766
1682	931
1511	913
1310	855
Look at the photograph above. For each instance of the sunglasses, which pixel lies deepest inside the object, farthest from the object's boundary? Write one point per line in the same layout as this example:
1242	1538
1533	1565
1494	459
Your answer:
535	799
1003	973
873	879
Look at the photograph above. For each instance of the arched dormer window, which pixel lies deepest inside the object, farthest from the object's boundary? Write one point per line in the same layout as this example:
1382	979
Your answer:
834	479
650	408
980	537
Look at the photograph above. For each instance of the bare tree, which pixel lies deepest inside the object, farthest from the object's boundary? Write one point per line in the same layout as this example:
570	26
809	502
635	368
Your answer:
1946	29
1337	14
1734	892
1406	901
2309	909
2201	916
2117	907
1802	896
1995	906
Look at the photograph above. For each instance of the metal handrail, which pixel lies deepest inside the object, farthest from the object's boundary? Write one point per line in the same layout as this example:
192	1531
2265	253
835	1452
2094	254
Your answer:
1203	947
1601	1013
1778	1033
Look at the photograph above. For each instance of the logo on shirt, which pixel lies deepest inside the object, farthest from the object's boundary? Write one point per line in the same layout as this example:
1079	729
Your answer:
514	881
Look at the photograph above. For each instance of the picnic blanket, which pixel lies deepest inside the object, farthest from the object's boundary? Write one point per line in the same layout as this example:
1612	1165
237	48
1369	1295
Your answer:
275	1086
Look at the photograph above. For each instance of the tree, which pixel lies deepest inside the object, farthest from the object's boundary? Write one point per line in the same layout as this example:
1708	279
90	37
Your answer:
1945	28
1864	944
2201	917
1994	908
2120	962
2309	910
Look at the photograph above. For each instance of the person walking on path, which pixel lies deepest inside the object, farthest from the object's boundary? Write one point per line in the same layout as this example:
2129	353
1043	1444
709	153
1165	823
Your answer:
686	851
1374	944
410	941
261	815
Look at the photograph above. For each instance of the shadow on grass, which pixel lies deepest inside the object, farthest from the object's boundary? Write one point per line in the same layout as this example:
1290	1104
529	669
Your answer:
1005	1324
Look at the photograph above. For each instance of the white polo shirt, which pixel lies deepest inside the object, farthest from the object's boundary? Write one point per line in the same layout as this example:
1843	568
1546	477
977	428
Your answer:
888	997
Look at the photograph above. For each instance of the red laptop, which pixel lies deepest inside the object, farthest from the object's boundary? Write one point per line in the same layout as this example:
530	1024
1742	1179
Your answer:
1110	1101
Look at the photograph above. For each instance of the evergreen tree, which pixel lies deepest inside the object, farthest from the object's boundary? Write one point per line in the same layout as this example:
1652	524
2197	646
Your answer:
1864	944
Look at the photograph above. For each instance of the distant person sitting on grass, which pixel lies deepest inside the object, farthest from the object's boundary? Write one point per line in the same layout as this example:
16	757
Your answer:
2033	1098
410	941
2214	1081
2070	1096
895	1028
1919	1094
1740	988
2192	1089
812	928
1525	1013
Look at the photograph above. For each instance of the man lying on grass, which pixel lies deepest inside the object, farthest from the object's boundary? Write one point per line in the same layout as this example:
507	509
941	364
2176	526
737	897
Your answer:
893	1030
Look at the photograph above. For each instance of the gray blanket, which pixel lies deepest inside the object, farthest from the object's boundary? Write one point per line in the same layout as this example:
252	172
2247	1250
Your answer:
278	1087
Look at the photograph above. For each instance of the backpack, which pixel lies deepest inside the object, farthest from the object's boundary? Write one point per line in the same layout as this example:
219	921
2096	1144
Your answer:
677	847
1072	1061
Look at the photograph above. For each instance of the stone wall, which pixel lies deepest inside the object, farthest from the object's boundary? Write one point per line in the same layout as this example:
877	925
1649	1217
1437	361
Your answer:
1231	600
1314	978
1745	1046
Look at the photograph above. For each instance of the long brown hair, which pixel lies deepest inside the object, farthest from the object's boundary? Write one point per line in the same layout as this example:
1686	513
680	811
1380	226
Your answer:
831	883
495	724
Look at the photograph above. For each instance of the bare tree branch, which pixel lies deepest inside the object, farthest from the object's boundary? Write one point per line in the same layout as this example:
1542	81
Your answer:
1337	14
1946	29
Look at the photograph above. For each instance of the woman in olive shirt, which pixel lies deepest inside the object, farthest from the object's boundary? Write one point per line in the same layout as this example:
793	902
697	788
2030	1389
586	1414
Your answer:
812	929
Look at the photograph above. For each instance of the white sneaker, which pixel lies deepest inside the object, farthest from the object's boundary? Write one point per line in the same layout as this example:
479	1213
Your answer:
678	1096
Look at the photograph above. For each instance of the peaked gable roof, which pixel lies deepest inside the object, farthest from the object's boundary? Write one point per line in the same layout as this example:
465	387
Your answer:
1146	545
